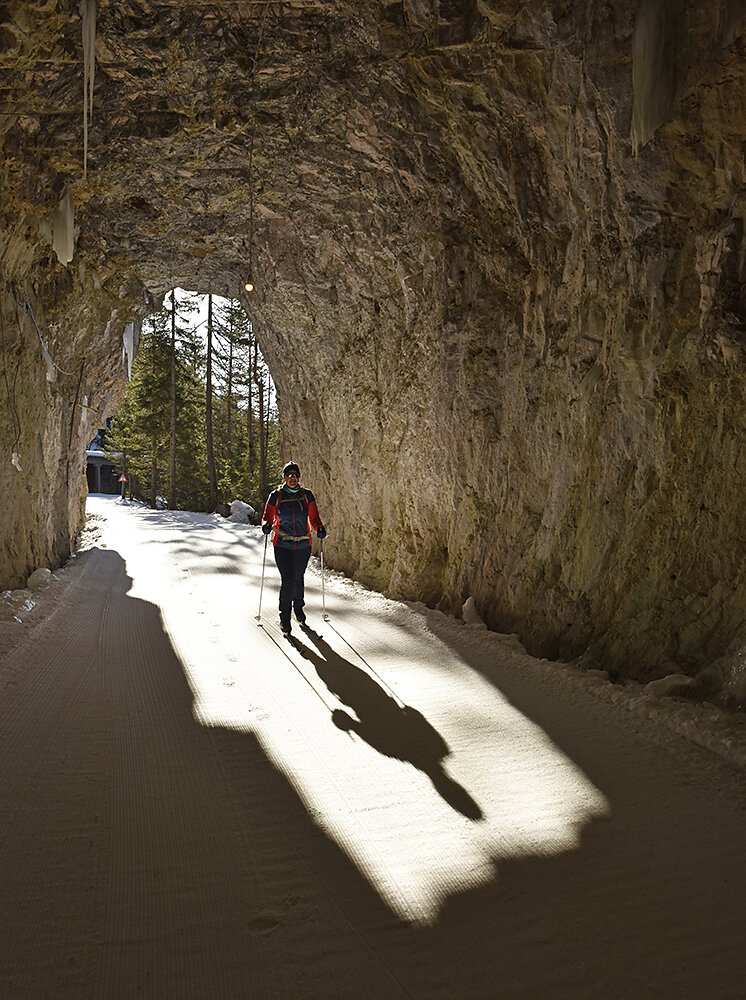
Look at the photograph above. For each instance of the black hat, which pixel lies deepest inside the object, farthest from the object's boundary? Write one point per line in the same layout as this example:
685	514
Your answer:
291	467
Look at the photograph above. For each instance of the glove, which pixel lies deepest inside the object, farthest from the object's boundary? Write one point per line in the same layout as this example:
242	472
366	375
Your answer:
266	527
321	533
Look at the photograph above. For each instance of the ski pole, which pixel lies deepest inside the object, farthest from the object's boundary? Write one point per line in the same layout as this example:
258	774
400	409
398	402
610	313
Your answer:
371	669
261	588
323	593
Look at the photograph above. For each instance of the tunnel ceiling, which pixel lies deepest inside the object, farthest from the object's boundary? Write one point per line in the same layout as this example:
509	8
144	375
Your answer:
213	123
499	253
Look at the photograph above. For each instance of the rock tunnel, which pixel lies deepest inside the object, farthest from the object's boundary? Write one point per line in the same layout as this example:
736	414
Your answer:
499	258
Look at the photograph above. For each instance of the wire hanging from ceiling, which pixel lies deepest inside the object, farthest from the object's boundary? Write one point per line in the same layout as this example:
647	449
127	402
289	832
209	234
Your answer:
47	356
88	15
10	389
249	284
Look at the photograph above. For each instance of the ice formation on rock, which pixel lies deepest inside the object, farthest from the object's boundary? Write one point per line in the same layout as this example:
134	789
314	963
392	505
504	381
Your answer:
470	614
128	348
88	14
59	228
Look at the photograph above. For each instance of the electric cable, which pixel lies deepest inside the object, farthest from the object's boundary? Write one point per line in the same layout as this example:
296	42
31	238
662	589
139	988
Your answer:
10	392
254	65
76	371
47	355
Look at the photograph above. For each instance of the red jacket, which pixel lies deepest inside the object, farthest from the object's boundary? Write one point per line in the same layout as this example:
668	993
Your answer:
291	517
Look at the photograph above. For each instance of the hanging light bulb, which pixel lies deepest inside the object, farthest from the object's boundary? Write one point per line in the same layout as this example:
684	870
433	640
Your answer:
249	283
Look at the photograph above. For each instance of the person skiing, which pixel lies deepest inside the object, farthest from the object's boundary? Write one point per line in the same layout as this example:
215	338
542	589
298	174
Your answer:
290	513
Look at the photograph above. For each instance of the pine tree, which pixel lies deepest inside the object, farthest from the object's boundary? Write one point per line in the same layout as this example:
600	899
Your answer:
161	429
141	428
160	416
233	342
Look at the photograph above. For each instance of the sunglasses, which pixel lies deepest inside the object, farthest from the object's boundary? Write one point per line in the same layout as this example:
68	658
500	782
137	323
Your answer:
292	475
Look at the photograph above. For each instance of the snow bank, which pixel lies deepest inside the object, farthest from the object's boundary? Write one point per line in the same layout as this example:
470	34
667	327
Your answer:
470	614
671	686
672	704
14	604
727	677
241	512
39	579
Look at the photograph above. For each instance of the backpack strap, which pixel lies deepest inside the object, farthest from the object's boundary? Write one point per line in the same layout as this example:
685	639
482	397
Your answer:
301	496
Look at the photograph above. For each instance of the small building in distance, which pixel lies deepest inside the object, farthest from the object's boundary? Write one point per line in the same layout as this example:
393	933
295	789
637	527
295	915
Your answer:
99	468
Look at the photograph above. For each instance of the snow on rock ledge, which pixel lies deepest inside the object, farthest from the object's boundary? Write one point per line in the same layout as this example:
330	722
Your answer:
40	579
671	686
470	614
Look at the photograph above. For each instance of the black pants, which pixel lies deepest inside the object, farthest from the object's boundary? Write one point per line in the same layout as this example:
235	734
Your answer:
292	565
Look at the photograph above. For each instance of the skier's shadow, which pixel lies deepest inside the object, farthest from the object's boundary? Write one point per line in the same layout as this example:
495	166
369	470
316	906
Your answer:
393	730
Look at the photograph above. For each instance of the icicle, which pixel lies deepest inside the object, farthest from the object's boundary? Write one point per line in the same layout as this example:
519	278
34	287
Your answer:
88	14
51	372
59	228
653	70
63	228
128	348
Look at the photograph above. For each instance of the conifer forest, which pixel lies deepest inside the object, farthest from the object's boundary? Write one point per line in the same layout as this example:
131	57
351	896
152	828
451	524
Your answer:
198	427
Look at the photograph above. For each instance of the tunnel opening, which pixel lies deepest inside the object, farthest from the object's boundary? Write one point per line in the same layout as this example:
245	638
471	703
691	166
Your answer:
198	428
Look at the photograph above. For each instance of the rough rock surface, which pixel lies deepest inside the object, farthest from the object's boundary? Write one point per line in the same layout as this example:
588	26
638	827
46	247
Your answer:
500	257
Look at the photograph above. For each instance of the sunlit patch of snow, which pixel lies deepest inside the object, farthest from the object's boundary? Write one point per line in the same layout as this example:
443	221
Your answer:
414	846
404	826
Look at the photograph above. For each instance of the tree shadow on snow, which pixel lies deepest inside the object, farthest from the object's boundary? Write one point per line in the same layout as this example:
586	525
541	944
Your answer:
393	729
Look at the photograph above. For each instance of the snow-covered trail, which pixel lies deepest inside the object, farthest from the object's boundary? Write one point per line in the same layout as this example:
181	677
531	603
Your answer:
398	806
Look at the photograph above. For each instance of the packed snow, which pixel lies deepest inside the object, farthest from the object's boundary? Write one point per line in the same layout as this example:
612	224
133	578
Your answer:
397	802
666	701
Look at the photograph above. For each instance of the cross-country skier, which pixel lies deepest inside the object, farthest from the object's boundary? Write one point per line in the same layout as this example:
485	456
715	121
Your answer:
290	513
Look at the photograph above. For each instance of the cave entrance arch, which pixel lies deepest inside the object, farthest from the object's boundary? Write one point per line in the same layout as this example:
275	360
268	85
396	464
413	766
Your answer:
199	418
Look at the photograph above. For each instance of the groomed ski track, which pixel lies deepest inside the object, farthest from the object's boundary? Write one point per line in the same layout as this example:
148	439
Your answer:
393	805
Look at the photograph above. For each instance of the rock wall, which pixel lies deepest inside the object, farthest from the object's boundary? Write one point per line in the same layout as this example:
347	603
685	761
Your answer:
61	376
500	260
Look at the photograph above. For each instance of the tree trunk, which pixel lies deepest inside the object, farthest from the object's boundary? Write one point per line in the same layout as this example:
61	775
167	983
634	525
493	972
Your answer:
229	429
154	474
172	465
266	418
250	423
208	412
262	449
